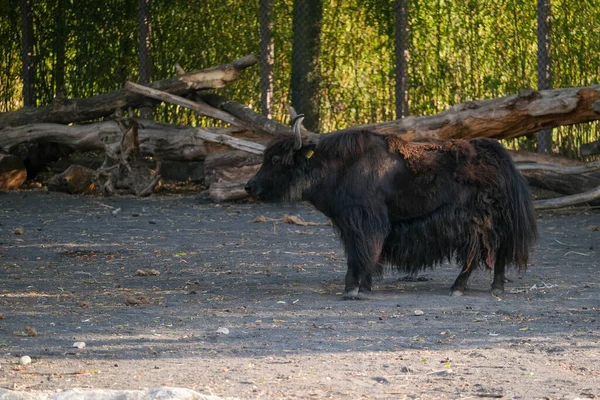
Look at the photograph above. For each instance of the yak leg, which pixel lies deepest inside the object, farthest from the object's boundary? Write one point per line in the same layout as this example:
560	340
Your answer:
362	259
366	284
460	284
499	276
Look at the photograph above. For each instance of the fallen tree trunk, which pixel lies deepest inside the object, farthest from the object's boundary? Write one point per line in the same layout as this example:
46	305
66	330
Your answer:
590	149
521	156
77	110
500	118
12	172
200	107
568	201
162	140
567	184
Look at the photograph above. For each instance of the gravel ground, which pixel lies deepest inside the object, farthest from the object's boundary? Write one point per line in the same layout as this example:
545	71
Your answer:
175	291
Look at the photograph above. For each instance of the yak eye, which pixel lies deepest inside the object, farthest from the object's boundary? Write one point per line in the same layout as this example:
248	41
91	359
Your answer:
276	159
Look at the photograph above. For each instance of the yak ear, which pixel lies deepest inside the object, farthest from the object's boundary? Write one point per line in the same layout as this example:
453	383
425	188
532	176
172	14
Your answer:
307	150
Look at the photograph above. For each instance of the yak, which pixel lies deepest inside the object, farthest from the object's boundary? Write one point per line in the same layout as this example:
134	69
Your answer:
408	205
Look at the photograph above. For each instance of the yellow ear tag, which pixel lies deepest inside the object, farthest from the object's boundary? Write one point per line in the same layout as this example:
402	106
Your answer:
310	154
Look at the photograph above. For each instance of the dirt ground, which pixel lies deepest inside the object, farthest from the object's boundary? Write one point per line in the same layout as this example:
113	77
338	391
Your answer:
69	272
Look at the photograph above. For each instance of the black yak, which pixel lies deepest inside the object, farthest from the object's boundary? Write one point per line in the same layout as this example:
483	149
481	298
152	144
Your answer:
408	205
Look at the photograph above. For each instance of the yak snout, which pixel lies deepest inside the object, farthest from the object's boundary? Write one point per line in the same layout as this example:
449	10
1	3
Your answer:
250	188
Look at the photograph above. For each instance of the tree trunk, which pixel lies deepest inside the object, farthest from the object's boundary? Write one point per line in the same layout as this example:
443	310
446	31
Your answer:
144	58
267	56
305	80
500	118
227	172
591	196
165	141
27	56
12	172
233	166
567	184
544	66
61	17
74	180
402	53
77	110
590	149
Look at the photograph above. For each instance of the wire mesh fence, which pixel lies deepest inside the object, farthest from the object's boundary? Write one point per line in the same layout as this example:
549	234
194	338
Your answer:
346	58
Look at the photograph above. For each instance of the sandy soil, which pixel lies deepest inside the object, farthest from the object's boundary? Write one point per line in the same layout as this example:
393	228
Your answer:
71	270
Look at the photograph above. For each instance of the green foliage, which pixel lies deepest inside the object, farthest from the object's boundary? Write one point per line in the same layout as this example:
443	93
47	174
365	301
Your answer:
459	51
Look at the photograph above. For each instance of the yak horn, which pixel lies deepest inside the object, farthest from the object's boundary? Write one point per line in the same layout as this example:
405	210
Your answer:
296	128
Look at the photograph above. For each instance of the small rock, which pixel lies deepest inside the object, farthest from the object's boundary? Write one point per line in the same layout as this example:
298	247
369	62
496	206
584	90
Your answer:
79	345
1	316
30	330
18	231
224	331
148	272
25	360
381	379
137	300
419	312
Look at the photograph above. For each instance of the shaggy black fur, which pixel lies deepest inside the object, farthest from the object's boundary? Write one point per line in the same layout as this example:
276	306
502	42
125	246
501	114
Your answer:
409	205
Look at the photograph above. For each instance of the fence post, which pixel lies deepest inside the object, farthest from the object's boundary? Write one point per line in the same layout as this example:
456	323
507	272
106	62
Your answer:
145	60
402	56
543	66
267	56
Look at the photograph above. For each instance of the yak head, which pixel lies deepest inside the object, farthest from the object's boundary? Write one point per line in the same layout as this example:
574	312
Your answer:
285	171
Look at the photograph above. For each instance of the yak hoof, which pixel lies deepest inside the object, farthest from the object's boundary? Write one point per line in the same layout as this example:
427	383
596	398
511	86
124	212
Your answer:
497	291
456	293
354	295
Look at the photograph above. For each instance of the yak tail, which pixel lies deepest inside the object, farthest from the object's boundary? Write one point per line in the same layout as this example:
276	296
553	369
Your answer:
521	232
520	228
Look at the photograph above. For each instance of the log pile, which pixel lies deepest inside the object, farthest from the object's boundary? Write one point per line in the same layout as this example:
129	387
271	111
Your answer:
232	155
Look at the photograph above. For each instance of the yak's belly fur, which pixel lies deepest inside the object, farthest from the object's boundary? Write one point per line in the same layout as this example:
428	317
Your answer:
443	235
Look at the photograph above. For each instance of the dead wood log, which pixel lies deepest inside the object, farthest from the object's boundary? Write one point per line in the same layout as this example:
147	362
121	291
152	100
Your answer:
77	110
227	191
579	169
567	184
165	141
590	149
233	166
123	169
199	107
12	172
74	180
227	172
500	118
521	156
568	201
244	113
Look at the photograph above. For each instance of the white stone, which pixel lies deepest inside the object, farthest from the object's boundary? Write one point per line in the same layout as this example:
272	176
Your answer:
25	360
